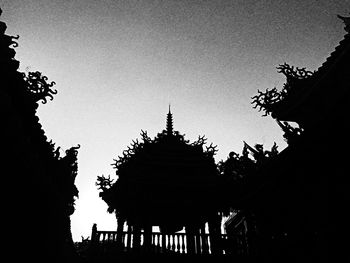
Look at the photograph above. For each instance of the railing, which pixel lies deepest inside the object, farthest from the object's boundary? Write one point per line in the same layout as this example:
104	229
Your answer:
178	243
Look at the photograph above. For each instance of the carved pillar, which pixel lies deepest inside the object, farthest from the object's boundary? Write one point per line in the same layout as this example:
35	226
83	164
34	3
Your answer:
94	234
215	234
94	241
120	233
147	237
136	237
250	232
190	231
205	246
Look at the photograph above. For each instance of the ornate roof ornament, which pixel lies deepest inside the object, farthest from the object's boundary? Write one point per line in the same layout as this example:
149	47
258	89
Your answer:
39	87
346	21
296	78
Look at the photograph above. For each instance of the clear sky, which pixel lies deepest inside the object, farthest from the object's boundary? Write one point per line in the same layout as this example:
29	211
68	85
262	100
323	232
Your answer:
118	65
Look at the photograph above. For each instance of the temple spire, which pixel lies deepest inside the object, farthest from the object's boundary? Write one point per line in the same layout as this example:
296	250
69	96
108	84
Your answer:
169	123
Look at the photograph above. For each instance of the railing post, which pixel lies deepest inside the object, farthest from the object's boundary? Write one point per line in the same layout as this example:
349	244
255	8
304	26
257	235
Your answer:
154	241
178	243
128	244
163	250
204	239
123	244
183	245
198	243
168	243
190	240
172	248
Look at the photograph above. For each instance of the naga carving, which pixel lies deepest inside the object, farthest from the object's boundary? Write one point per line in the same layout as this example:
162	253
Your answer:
39	87
296	78
104	183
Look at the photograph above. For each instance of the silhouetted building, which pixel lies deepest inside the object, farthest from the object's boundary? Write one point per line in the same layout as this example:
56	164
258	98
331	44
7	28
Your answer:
38	181
170	183
242	179
299	209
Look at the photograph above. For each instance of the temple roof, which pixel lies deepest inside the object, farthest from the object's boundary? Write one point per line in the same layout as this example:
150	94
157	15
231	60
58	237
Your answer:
166	180
306	95
168	149
339	51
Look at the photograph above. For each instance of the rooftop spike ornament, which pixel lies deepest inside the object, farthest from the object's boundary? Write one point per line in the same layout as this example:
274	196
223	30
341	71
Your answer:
169	123
346	21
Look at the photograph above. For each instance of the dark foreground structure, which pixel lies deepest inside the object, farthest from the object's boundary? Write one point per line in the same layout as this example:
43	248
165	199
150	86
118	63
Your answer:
37	180
299	210
285	207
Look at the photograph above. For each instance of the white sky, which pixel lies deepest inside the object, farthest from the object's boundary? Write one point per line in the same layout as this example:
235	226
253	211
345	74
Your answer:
118	64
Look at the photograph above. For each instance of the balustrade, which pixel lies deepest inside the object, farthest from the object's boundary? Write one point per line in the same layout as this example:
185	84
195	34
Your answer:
169	243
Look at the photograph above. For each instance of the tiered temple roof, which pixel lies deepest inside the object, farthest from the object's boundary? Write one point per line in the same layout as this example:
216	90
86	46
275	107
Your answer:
165	181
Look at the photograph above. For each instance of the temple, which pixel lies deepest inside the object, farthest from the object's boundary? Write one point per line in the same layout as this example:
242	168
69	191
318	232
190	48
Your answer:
281	206
169	196
300	204
170	183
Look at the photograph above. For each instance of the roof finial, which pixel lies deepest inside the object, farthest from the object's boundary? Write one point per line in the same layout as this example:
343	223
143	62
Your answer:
169	122
346	21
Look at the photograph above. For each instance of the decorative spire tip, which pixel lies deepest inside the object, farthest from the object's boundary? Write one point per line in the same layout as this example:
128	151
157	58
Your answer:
169	122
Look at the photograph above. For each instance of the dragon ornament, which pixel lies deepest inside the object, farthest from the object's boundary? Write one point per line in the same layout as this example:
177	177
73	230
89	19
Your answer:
295	76
38	86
